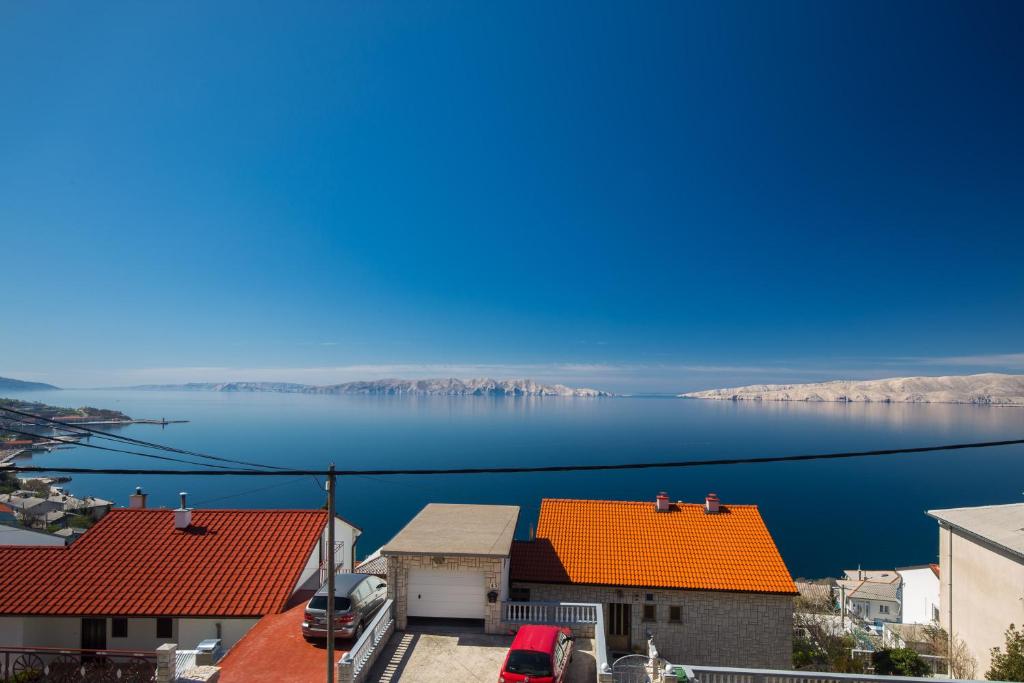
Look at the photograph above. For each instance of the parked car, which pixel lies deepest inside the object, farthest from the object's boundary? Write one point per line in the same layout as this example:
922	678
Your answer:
357	597
539	654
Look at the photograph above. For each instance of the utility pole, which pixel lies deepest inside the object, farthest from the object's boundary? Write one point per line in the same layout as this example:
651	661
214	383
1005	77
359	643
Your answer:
330	574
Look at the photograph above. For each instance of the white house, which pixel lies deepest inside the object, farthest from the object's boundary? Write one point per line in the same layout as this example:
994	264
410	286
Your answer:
920	593
141	577
981	575
875	596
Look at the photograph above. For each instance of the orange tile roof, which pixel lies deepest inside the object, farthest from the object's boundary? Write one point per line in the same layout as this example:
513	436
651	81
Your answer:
623	543
135	563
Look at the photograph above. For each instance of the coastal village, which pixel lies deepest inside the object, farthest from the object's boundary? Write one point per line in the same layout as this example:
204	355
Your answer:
650	590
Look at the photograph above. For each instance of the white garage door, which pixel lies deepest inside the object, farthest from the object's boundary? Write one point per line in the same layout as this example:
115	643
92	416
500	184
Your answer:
455	595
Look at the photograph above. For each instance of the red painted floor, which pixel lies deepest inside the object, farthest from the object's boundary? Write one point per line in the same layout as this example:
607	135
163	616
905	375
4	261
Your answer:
275	651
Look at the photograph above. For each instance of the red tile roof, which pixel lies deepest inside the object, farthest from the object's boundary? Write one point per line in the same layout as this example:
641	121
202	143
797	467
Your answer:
620	543
135	563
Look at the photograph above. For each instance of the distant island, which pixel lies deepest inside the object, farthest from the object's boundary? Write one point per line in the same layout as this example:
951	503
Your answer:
8	384
395	387
985	389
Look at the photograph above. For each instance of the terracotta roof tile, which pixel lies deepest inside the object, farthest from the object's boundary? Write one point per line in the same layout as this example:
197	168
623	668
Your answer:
135	563
624	543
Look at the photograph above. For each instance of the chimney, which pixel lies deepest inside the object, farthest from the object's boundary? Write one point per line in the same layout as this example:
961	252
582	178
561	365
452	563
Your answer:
711	503
183	516
137	501
661	503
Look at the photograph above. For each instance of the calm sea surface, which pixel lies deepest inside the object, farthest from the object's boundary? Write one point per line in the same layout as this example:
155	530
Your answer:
825	516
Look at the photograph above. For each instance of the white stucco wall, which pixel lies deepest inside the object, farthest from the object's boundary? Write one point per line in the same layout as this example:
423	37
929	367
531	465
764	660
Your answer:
981	592
11	631
920	595
345	535
191	631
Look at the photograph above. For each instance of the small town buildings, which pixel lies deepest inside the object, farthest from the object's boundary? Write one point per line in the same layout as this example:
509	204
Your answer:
452	561
981	574
141	577
920	596
707	581
872	595
29	507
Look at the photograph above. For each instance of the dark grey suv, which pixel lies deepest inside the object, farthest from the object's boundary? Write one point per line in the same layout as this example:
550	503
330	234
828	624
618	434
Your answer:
357	597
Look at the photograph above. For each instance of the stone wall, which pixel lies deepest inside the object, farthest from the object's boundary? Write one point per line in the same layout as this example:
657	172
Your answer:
715	628
398	581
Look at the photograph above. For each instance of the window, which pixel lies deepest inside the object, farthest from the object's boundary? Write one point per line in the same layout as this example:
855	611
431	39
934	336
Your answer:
164	627
650	612
518	594
649	597
675	613
883	609
118	627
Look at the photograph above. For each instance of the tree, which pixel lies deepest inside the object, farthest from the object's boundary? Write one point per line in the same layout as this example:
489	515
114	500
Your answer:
822	645
1009	665
899	662
962	663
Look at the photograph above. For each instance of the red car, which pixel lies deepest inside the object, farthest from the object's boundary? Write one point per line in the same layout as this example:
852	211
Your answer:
539	654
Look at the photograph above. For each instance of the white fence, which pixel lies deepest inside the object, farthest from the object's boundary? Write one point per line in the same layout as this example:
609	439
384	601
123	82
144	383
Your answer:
721	674
556	613
355	664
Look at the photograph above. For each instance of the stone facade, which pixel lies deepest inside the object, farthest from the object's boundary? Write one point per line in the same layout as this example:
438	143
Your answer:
398	581
716	628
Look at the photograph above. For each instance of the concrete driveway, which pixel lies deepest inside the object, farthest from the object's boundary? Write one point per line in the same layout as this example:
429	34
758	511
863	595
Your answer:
453	655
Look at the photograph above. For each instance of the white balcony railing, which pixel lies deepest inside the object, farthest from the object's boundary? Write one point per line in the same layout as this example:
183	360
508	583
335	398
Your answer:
721	674
556	613
356	663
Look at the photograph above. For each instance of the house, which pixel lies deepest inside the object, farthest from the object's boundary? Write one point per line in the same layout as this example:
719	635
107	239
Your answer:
30	508
707	581
19	536
452	561
981	574
141	577
920	602
914	637
874	596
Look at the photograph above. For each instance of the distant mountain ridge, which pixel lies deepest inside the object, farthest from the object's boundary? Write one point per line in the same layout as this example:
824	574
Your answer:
984	389
8	384
396	387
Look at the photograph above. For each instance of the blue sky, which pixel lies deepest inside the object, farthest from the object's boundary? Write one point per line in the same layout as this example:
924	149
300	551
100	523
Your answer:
657	196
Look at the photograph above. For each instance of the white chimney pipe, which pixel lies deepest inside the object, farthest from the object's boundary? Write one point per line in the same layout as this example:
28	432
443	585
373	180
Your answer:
711	503
137	501
661	503
183	516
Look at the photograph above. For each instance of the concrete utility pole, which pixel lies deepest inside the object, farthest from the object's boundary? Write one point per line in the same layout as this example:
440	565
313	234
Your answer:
330	574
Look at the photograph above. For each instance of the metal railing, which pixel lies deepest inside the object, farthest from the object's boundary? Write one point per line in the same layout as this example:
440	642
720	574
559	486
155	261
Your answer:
556	613
355	663
721	674
62	665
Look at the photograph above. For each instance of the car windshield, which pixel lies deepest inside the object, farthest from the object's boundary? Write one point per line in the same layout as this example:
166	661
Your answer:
528	663
320	602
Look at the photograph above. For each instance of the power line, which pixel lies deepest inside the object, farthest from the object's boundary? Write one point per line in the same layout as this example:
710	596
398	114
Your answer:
138	442
119	450
548	468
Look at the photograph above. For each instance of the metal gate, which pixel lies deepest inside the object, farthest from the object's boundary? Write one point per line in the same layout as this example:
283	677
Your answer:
631	669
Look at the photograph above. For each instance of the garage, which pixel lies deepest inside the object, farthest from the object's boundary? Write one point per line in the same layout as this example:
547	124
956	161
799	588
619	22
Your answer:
447	594
451	561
